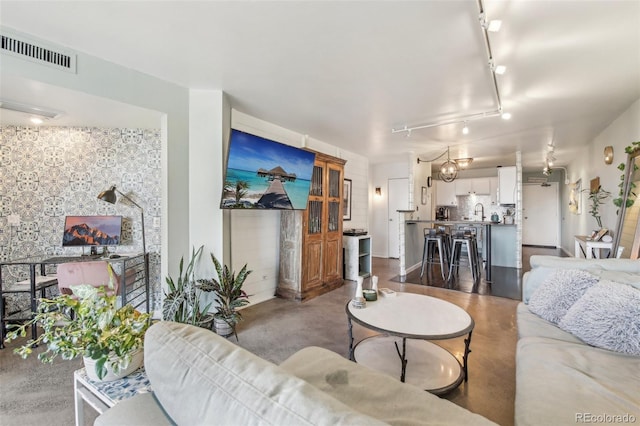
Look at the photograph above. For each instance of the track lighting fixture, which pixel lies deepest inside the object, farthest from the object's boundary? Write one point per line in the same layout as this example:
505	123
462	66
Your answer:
491	26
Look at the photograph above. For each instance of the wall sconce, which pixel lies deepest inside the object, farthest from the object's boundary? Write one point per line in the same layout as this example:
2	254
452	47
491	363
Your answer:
378	191
608	154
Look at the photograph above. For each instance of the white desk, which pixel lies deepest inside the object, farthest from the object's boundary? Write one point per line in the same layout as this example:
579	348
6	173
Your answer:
585	247
103	395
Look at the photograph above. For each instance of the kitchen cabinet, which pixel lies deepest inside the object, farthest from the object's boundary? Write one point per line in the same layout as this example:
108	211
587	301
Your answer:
493	182
463	186
478	186
507	185
311	240
446	193
504	242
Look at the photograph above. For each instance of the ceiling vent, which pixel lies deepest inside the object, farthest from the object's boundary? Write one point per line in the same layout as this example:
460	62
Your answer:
37	51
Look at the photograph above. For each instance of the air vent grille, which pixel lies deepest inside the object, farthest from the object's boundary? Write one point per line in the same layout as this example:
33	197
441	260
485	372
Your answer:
38	52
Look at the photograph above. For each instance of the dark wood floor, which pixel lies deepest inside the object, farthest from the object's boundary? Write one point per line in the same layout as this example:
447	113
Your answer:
505	282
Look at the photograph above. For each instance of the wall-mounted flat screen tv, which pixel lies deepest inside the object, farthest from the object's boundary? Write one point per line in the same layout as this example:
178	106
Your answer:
264	174
92	231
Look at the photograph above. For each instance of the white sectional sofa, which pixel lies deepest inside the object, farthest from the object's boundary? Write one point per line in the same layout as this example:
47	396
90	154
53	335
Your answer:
200	378
560	379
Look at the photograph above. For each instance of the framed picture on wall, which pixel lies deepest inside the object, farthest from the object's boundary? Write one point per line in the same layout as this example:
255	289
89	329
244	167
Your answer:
346	202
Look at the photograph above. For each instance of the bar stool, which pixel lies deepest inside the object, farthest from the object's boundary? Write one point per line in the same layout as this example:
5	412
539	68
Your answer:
435	238
465	239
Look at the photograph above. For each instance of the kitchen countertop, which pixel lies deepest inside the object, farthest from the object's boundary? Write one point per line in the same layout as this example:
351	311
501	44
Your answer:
460	222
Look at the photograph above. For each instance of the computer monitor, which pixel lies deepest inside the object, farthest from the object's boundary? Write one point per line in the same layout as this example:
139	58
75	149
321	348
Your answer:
92	231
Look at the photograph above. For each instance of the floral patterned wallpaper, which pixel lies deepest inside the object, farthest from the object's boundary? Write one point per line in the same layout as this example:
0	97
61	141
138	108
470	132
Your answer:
47	173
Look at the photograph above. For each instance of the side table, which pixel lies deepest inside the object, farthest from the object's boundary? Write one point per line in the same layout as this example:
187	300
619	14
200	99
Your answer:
103	395
585	247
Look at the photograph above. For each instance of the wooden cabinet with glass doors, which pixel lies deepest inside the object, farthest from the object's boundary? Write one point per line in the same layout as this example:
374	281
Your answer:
311	239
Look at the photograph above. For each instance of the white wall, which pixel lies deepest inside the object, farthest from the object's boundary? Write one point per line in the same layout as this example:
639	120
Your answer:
420	173
206	135
620	133
357	169
254	235
379	215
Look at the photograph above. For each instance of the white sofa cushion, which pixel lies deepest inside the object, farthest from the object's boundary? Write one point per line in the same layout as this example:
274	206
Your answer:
558	292
377	394
619	270
558	381
203	379
624	265
140	410
607	316
531	325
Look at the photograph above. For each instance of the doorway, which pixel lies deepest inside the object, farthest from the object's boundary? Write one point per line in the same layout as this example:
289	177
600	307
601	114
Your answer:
398	200
540	215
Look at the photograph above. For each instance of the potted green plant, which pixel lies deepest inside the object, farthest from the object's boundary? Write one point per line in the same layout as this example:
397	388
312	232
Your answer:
230	296
631	194
88	324
182	302
597	198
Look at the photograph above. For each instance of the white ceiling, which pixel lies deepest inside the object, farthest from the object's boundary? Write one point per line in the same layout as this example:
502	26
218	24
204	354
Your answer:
348	72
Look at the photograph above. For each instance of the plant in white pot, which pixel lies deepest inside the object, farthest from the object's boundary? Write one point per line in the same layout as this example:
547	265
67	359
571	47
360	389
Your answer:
230	295
88	324
182	301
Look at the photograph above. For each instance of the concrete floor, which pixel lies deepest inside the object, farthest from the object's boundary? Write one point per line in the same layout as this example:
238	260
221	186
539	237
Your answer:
277	328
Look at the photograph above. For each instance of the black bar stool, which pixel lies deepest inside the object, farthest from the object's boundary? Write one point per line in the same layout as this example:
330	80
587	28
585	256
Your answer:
435	239
465	238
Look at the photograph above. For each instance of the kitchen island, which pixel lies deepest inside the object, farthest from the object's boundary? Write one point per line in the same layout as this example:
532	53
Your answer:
496	242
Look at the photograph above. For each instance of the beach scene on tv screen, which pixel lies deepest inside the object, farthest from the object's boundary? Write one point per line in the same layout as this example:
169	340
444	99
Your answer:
263	174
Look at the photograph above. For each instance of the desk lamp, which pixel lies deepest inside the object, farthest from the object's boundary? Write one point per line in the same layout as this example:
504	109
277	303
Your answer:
110	196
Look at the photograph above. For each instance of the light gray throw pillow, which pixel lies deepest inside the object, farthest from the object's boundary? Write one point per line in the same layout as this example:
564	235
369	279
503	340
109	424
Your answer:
608	317
558	292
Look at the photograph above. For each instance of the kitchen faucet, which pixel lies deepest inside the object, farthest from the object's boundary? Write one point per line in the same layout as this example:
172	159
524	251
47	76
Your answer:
475	211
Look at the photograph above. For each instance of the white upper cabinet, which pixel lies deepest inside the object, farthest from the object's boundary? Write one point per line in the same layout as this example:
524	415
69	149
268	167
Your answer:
481	186
507	185
445	193
478	186
494	190
463	186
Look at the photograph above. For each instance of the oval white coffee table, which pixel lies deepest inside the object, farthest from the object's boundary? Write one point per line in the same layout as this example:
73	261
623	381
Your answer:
407	322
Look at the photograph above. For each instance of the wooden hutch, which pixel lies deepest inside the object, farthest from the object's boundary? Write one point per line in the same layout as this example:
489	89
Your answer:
311	239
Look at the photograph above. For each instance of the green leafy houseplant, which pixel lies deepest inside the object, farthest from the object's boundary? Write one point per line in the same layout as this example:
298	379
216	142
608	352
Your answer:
182	301
597	198
228	291
631	196
88	325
